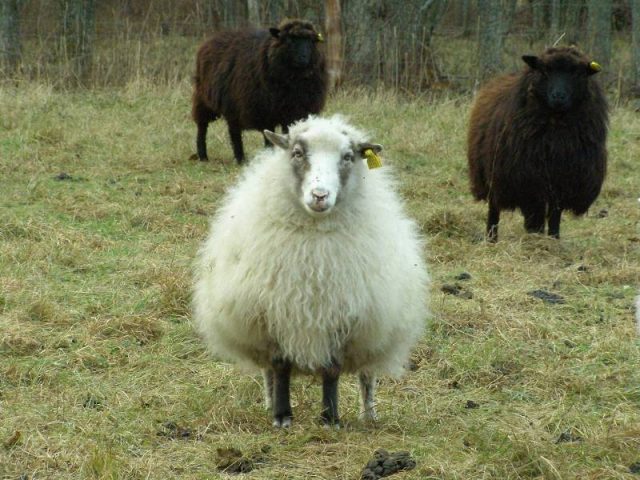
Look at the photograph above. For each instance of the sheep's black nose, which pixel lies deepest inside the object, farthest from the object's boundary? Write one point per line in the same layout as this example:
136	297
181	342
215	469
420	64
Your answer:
319	194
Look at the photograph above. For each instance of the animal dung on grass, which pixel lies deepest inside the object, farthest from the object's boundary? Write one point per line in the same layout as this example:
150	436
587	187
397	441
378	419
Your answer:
537	141
312	265
257	80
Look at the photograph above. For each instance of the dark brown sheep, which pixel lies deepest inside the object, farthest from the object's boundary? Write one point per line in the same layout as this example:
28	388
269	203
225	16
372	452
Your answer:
257	79
537	140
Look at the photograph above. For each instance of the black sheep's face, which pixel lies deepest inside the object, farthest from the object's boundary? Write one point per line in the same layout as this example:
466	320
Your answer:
298	50
560	83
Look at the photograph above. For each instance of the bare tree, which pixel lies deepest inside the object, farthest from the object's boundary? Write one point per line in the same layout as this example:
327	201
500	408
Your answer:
572	21
334	41
554	20
489	38
600	30
465	13
10	46
635	45
253	9
539	18
78	26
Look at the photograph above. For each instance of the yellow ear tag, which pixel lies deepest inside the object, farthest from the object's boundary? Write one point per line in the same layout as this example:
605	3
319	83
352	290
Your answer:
320	38
373	160
595	66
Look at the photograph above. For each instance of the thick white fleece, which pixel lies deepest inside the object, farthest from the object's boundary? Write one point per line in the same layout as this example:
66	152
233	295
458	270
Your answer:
272	279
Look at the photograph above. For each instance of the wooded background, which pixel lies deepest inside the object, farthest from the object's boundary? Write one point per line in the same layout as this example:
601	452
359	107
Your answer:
411	46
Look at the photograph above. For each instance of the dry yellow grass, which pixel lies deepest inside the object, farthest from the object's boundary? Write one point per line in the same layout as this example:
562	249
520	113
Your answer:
101	375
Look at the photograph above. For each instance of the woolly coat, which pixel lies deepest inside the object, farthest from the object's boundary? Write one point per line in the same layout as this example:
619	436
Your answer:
520	154
240	75
271	279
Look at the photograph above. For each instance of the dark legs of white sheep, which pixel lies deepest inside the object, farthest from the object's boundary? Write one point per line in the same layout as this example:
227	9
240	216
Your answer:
367	397
267	377
330	377
280	384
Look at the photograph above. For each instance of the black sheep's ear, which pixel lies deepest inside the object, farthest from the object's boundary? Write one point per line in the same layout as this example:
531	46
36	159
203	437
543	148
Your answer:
275	32
280	140
593	68
532	61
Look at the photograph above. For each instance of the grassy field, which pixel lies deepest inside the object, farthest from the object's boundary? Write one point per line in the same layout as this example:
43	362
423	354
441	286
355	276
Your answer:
102	376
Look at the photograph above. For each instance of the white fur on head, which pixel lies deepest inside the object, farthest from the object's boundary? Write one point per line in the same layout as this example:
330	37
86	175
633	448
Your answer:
325	156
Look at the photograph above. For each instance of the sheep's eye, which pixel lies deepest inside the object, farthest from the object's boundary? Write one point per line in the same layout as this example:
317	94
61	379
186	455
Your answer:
297	153
348	157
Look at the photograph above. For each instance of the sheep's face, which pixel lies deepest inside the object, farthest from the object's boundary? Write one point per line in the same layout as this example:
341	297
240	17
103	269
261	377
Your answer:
296	43
561	78
324	166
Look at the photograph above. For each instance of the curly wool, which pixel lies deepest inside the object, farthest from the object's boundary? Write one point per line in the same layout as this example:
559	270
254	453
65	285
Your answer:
274	280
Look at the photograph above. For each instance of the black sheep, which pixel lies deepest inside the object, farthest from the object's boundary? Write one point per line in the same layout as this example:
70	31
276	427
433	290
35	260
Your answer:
537	140
258	79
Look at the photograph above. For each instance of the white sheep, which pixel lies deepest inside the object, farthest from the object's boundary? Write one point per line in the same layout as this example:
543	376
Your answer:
312	265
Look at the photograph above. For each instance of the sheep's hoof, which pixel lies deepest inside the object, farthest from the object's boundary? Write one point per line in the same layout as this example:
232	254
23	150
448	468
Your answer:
369	415
282	421
329	423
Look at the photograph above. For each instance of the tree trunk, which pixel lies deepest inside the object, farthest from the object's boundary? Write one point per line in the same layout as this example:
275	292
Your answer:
572	22
635	45
253	9
554	29
489	38
539	18
509	9
600	31
78	30
10	46
334	41
466	18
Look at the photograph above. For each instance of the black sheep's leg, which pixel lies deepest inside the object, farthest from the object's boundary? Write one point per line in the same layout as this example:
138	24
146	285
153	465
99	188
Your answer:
534	218
235	132
554	221
202	116
330	376
493	218
282	415
201	141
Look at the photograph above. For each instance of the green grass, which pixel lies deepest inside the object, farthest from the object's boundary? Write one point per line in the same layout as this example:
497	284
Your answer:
97	352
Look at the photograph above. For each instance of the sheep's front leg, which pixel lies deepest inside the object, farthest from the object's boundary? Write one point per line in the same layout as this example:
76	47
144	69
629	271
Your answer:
330	377
555	213
367	397
282	416
267	377
493	218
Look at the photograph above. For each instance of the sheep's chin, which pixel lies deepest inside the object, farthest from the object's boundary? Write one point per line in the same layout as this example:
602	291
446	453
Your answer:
316	212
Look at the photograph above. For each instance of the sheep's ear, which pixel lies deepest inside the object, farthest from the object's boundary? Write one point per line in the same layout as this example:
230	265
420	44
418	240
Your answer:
593	68
280	140
362	147
275	32
532	61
